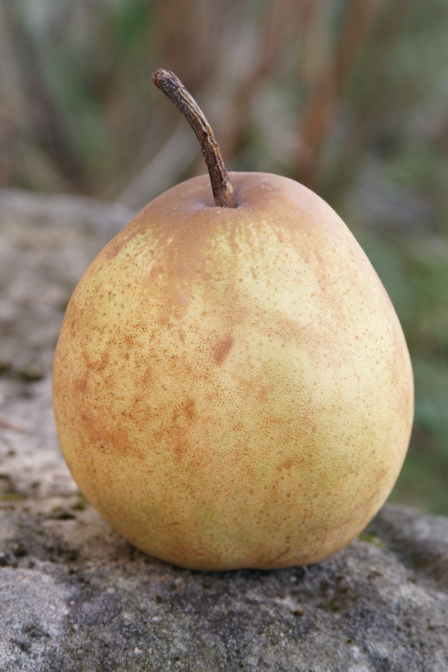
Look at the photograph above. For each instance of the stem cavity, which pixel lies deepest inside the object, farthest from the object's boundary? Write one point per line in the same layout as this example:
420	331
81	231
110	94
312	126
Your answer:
172	87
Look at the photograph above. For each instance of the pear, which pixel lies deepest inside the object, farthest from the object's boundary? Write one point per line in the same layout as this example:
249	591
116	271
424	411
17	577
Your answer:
232	387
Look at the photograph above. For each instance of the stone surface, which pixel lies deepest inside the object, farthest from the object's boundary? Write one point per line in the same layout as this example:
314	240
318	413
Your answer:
74	596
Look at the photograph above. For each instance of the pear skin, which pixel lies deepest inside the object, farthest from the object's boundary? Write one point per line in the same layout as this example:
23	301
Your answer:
232	387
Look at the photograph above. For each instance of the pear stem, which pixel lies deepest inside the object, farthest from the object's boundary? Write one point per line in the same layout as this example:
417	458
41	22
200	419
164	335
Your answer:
172	87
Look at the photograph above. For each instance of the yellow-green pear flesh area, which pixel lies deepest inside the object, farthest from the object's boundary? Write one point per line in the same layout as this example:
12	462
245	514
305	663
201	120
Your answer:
232	387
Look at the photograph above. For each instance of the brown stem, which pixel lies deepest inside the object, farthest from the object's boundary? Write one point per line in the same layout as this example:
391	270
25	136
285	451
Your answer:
172	87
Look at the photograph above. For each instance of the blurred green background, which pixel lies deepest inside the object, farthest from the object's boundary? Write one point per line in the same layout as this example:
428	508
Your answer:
348	96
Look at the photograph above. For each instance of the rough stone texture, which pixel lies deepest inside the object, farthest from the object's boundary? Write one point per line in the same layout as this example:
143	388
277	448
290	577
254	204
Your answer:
74	596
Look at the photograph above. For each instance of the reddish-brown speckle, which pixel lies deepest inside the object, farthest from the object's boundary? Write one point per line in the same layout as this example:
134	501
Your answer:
222	350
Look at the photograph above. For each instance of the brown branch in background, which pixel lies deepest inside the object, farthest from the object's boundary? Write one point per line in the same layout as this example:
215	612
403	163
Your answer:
307	8
319	117
372	99
8	138
360	16
278	19
173	88
9	110
188	35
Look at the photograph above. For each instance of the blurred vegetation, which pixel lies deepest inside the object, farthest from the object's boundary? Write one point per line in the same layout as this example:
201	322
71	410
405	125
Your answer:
348	96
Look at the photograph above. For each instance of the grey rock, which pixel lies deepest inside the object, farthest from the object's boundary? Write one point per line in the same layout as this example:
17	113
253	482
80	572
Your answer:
76	597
